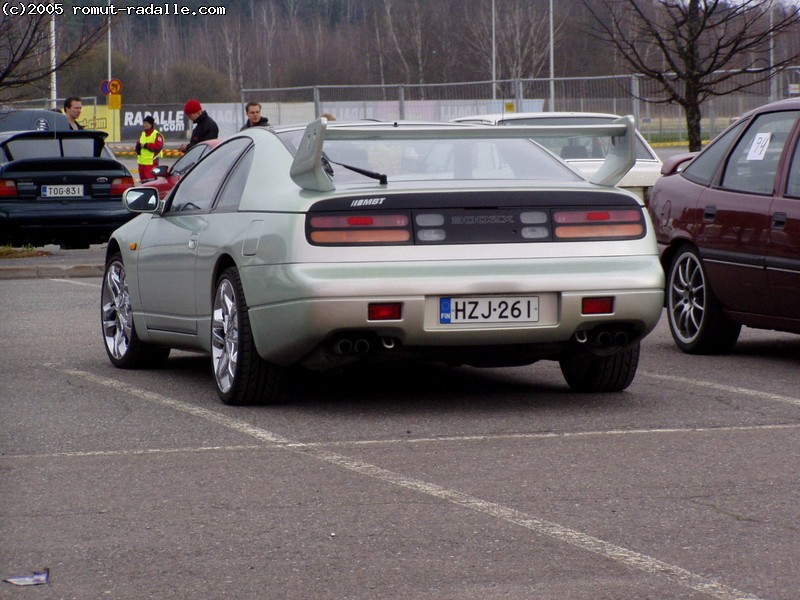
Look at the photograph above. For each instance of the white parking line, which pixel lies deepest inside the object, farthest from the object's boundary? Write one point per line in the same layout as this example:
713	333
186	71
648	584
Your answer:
75	282
731	389
641	562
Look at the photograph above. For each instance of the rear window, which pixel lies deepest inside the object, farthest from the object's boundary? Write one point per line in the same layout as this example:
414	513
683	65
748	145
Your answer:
577	147
49	148
443	159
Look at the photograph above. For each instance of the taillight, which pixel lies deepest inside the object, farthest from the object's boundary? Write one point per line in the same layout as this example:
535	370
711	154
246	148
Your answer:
360	229
593	224
8	188
120	184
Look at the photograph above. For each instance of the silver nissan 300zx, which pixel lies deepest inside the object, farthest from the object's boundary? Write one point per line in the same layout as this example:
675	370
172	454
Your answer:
333	244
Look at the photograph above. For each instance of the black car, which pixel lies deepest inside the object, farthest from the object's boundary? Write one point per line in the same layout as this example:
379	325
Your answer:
60	187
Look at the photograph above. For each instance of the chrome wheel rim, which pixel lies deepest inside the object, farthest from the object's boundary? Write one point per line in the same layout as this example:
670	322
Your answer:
687	298
116	309
225	336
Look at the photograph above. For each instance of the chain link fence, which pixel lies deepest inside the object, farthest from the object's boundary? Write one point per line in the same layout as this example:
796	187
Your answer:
623	94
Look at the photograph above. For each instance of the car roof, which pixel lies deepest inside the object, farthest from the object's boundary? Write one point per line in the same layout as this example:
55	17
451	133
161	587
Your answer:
33	119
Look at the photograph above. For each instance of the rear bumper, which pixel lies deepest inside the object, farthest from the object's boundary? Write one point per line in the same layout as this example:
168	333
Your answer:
336	301
50	222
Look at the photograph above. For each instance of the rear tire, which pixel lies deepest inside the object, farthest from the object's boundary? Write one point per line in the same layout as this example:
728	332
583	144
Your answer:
601	374
122	344
242	377
696	320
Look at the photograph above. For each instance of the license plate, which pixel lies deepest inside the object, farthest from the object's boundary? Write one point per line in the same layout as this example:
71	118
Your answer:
512	309
62	191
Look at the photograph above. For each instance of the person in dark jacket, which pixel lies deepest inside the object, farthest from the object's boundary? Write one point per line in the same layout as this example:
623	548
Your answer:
205	128
254	118
72	108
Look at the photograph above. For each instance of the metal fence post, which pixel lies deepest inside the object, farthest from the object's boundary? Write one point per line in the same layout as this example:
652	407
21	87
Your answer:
635	97
317	111
518	98
401	99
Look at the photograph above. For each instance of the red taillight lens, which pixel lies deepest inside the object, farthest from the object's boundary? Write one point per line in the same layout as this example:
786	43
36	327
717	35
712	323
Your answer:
390	311
8	188
360	229
597	306
581	224
120	184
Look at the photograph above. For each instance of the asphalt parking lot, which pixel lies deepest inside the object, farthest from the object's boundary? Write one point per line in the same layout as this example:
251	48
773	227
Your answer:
418	482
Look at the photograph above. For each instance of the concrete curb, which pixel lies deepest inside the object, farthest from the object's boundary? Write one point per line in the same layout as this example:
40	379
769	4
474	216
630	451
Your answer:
51	271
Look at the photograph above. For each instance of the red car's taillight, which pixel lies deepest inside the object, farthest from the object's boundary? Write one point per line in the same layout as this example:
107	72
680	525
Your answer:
120	184
581	224
360	229
8	188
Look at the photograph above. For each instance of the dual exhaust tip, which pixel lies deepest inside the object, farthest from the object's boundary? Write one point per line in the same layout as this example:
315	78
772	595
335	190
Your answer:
345	346
603	338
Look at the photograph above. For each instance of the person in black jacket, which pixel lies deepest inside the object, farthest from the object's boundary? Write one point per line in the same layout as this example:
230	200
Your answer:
205	128
254	118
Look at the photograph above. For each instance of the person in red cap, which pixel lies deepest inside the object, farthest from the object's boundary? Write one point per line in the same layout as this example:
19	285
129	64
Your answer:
205	128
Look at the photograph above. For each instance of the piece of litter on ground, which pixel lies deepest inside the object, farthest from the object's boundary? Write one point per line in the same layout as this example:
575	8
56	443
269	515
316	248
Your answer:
38	578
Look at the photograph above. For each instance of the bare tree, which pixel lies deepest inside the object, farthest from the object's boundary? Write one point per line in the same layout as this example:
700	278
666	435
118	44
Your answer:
25	58
696	49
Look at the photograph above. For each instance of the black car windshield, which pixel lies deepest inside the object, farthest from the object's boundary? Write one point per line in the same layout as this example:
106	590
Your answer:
444	159
50	147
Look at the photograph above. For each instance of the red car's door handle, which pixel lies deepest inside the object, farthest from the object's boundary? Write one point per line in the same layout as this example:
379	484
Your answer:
779	220
710	213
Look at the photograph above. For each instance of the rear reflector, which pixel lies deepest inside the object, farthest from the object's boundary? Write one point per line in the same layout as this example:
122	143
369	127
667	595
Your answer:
597	306
390	311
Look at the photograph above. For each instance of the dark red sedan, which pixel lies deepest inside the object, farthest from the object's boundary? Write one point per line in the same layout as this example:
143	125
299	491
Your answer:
168	176
728	227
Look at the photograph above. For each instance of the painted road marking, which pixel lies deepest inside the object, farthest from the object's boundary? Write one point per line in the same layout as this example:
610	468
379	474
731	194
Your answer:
577	539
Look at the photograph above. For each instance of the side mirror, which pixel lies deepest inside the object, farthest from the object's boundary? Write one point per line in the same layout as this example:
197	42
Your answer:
141	199
161	171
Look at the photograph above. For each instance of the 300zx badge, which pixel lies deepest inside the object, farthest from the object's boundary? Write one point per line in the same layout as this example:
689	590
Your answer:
482	220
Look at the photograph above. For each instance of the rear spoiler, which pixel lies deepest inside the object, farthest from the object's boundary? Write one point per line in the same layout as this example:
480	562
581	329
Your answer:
99	137
308	172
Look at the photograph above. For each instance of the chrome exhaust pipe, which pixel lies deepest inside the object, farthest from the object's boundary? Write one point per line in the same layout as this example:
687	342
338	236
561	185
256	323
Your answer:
604	339
620	338
388	343
343	346
361	346
581	337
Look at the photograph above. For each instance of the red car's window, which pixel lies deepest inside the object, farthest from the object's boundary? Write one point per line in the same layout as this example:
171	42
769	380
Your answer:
793	184
753	164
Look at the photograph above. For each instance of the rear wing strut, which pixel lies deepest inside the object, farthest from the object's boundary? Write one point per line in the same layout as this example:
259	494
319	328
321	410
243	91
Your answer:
308	172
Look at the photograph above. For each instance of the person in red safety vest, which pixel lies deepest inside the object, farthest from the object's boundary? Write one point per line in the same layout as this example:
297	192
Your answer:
148	149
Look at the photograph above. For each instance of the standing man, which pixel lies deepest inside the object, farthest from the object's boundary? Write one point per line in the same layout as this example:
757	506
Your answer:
148	149
205	128
72	108
254	118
